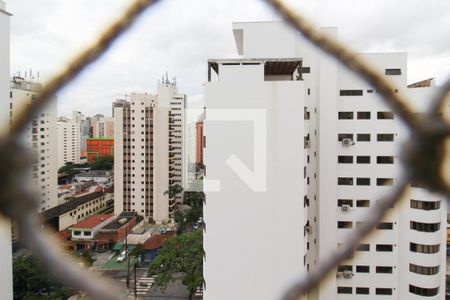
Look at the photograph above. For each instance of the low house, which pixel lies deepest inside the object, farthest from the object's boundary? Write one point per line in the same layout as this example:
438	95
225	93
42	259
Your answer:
152	246
98	176
116	231
83	234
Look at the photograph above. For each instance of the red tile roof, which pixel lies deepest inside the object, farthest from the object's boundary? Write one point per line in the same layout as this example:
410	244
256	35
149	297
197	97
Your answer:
156	241
91	222
63	235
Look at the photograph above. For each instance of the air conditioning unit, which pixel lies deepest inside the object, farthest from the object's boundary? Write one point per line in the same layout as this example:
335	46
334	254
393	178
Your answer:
308	229
339	274
348	274
345	207
307	144
348	142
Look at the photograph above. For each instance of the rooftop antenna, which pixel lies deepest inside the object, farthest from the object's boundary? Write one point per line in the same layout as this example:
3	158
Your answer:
38	76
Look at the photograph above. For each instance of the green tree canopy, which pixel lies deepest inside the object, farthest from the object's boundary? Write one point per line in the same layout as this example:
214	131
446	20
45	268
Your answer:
180	255
174	190
31	280
67	169
105	163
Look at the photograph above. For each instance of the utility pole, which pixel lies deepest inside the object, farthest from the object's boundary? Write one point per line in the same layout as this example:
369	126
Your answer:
135	282
128	259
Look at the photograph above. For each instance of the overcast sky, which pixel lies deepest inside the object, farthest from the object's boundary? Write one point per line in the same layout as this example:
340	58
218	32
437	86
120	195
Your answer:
178	36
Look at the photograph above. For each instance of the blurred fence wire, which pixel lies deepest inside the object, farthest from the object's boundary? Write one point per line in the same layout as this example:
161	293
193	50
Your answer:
422	157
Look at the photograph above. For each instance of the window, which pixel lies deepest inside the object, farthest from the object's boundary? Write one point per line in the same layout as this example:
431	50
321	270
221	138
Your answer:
385	159
87	233
345	181
363	137
413	247
393	71
362	181
344	224
343	268
363	159
351	92
423	270
362	203
363	247
306	70
423	291
362	269
345	159
77	233
384	248
345	115
342	136
344	290
425	205
362	290
385	181
424	227
348	202
363	115
385	115
383	291
383	269
385	137
385	226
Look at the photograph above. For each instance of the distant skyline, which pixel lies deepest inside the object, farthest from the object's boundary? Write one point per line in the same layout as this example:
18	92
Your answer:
46	34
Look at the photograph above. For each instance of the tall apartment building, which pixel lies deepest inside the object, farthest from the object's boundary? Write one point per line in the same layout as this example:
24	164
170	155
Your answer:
104	128
78	117
148	156
298	151
41	137
68	132
6	284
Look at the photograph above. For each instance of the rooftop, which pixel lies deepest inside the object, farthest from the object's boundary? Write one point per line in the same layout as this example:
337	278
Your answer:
94	173
91	222
120	220
157	241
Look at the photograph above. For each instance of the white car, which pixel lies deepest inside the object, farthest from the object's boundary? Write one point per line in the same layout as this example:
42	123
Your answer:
122	256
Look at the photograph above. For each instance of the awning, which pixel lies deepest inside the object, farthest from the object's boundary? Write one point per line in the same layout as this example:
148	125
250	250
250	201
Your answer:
117	247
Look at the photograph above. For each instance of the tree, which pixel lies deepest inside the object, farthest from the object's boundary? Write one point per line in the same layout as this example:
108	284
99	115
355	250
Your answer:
193	210
105	163
31	280
67	169
180	255
173	191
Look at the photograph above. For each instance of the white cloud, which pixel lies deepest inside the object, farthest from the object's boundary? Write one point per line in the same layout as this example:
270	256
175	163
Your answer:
178	36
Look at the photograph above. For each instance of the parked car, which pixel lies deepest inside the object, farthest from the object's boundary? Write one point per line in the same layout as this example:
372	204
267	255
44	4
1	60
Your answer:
122	256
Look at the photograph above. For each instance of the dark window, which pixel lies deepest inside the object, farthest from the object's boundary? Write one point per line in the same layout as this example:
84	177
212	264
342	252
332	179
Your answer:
344	224
345	202
393	71
351	92
384	248
363	137
362	269
423	291
383	291
345	159
343	268
345	115
385	159
362	181
362	290
425	227
383	269
362	203
363	159
344	290
363	247
385	226
413	247
423	270
363	115
385	137
306	70
385	115
342	136
385	181
345	181
425	205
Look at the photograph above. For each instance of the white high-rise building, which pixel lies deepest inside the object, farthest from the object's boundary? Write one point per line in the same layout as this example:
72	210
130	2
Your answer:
41	137
148	156
6	284
298	151
68	141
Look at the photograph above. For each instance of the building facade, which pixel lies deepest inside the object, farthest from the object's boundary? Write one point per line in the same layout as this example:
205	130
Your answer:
298	151
148	156
41	137
98	147
68	132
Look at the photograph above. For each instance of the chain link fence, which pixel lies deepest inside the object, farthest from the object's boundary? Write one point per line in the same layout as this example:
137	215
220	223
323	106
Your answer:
423	157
